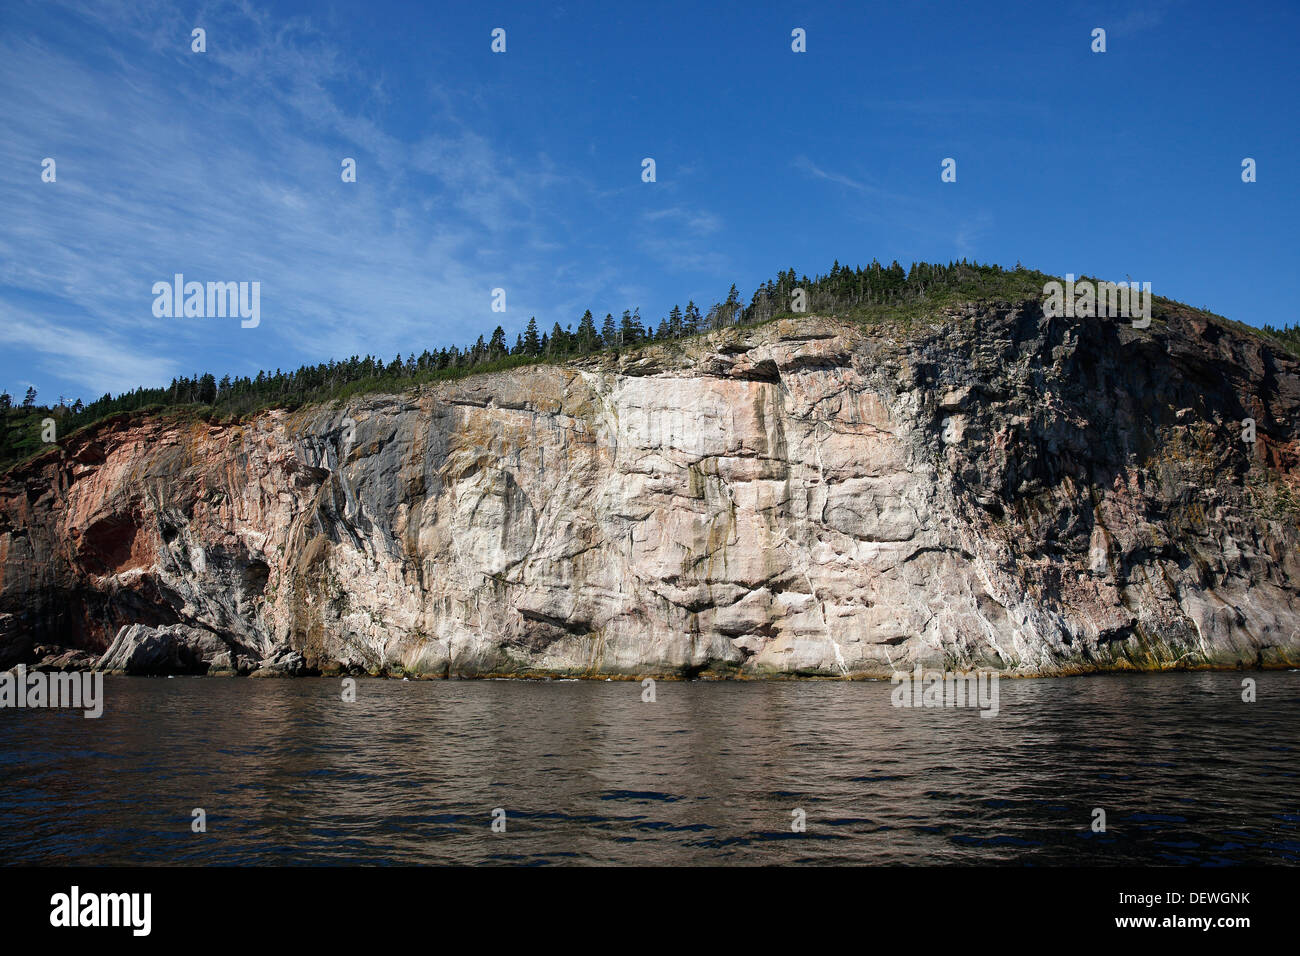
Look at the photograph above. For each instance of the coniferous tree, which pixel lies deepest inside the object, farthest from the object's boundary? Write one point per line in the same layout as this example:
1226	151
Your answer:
691	321
675	322
588	337
532	344
731	307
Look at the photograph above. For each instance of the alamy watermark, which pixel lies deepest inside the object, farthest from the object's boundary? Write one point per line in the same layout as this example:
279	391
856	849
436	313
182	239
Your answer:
923	688
1110	300
78	691
181	299
77	909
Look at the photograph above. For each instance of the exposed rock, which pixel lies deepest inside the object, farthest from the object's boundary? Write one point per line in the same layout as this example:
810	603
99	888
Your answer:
810	497
52	658
174	649
283	663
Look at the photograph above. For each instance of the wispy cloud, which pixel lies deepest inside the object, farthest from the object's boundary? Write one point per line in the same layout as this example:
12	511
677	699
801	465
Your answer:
970	231
118	364
807	166
225	166
698	221
677	237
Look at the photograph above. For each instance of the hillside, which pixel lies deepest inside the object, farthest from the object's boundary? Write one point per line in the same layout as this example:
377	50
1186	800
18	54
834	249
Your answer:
960	484
870	294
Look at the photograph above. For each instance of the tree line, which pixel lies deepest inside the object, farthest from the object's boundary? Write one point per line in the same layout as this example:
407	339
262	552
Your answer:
843	291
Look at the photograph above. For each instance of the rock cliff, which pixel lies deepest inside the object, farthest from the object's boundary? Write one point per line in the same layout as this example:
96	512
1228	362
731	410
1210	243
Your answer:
813	497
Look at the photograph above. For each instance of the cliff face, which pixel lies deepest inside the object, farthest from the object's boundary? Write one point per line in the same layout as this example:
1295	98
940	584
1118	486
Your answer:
992	488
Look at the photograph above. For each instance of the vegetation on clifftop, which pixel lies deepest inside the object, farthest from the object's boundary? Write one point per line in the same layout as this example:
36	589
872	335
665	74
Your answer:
873	292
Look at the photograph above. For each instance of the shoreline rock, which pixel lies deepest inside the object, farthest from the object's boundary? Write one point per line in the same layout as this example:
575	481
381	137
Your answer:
813	498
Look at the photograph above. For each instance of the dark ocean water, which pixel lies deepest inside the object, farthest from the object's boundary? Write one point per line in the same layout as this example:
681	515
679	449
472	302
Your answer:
708	774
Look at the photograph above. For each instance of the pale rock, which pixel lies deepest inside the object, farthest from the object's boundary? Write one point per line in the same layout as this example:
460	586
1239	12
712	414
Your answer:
808	497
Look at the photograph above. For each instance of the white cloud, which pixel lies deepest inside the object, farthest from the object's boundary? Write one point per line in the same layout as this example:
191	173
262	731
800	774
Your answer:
225	166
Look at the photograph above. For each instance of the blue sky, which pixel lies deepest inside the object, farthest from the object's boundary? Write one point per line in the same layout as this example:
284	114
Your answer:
522	170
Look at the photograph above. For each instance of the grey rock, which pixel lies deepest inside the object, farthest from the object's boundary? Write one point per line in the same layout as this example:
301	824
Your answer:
172	649
52	658
285	662
992	488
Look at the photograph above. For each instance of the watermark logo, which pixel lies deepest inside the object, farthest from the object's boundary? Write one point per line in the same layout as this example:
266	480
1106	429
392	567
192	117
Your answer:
80	691
799	40
74	909
923	688
948	170
1086	299
191	300
1098	40
49	170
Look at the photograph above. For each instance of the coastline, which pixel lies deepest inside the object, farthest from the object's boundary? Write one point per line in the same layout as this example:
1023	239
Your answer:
542	676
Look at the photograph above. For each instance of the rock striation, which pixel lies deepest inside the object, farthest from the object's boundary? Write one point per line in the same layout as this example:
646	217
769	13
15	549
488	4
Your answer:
986	488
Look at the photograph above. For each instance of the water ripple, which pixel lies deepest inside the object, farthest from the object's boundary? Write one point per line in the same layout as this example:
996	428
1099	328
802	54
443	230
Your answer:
587	773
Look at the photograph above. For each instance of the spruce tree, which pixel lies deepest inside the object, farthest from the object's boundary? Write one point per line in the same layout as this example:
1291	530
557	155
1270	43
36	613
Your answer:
691	320
588	337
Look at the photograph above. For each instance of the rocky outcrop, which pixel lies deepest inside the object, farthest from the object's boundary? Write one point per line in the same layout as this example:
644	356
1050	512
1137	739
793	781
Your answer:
174	649
54	658
989	488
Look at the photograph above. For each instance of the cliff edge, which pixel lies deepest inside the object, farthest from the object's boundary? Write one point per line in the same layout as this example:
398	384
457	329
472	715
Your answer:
986	488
